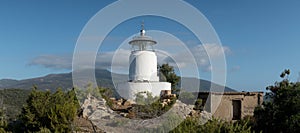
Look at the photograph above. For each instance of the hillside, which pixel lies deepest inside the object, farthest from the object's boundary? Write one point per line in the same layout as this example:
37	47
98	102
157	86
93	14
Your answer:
13	93
12	100
104	79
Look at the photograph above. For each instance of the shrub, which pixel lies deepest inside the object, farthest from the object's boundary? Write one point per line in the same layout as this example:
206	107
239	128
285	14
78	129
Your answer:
51	111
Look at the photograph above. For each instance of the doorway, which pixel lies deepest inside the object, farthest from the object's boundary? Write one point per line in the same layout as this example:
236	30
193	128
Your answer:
236	109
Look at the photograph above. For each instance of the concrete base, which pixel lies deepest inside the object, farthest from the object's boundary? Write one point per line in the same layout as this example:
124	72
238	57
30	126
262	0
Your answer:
128	90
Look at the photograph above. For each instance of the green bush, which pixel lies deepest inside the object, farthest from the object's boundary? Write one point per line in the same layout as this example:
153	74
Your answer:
187	97
55	112
3	122
192	125
282	112
148	107
198	105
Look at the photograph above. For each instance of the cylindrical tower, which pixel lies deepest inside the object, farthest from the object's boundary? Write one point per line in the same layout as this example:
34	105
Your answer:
143	60
142	70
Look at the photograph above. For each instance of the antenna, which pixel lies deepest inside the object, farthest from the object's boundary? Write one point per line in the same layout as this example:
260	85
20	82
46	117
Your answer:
143	29
143	25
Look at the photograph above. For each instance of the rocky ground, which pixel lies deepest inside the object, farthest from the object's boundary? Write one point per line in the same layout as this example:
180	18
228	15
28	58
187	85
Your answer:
104	118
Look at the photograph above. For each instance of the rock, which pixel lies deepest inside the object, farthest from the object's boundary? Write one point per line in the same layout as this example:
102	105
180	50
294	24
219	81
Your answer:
119	103
124	114
86	113
93	108
127	103
193	113
100	102
162	104
112	99
101	108
104	119
98	114
206	115
167	100
165	103
110	111
165	92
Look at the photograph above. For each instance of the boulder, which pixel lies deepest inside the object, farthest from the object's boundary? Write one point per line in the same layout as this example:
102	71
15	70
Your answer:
93	107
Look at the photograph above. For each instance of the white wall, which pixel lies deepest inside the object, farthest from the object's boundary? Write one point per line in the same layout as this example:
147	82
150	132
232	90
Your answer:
128	90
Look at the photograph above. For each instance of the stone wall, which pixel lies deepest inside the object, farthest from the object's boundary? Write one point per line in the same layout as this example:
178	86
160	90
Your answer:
225	110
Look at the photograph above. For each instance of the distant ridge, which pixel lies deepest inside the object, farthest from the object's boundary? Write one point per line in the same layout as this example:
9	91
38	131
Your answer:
104	79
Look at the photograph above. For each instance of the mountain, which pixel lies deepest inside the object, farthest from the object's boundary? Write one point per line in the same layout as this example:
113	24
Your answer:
12	101
5	82
189	84
104	79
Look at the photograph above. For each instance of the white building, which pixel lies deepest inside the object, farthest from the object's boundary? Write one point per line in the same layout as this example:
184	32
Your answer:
143	74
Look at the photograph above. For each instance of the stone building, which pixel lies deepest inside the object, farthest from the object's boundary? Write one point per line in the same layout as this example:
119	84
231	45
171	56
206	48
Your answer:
231	105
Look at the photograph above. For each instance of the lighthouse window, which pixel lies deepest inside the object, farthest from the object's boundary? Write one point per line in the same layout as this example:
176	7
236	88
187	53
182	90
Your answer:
132	66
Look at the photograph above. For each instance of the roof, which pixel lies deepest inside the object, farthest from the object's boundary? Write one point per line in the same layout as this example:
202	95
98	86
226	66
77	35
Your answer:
231	93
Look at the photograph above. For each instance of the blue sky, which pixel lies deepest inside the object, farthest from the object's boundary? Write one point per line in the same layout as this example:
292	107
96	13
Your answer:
261	37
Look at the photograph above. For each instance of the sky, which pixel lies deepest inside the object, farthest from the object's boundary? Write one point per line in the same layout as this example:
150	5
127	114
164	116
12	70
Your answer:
259	38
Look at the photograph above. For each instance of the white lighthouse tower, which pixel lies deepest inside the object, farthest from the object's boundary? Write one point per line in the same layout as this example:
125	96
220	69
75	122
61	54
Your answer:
143	75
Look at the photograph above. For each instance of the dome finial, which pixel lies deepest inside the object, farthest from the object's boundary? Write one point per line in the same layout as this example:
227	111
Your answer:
143	28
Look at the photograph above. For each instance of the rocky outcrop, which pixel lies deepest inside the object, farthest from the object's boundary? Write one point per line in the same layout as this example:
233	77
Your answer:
203	116
107	120
94	108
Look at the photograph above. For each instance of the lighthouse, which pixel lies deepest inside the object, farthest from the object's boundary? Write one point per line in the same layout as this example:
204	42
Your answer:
143	75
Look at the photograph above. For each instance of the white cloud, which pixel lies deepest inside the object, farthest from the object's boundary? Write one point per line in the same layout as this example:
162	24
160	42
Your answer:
201	54
206	52
103	60
119	59
53	61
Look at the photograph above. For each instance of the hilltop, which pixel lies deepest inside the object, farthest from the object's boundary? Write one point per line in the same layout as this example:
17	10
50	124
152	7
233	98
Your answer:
103	77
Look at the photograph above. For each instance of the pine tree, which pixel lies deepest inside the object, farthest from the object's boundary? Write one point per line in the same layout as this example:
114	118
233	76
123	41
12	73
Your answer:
44	110
167	73
282	112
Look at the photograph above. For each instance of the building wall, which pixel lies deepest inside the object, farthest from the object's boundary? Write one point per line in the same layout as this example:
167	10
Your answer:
248	103
128	90
224	109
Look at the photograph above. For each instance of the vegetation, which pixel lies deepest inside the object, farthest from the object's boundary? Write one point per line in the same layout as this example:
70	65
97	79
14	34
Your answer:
282	112
198	104
149	107
107	94
192	125
46	111
12	101
3	122
187	97
145	98
167	73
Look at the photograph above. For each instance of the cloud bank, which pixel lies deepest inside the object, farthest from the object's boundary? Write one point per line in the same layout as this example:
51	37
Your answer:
118	60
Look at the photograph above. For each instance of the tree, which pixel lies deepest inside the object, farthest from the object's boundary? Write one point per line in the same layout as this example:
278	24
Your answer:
3	122
166	73
282	112
145	98
187	97
44	110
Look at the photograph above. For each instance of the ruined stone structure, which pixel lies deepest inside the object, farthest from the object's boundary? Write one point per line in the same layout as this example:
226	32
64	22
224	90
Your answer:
233	105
